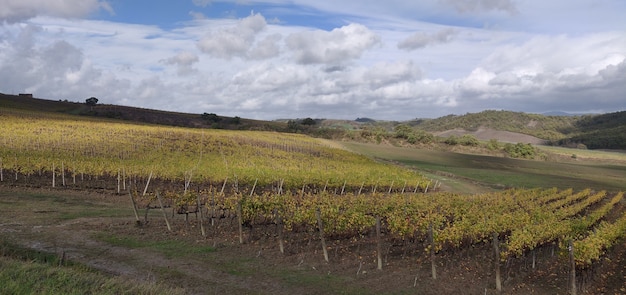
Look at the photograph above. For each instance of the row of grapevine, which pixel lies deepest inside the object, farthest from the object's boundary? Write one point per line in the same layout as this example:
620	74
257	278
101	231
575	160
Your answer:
592	247
523	218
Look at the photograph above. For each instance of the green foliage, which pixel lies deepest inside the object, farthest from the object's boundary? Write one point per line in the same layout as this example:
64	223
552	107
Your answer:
403	131
609	138
520	150
308	122
411	135
493	144
468	140
452	140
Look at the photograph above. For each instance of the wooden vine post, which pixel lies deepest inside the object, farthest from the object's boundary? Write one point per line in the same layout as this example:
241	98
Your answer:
147	183
167	222
132	200
320	225
281	243
379	244
53	176
279	223
431	241
572	262
496	249
240	221
201	216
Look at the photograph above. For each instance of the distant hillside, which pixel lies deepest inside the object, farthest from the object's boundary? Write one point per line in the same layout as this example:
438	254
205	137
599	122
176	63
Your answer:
540	126
141	115
605	131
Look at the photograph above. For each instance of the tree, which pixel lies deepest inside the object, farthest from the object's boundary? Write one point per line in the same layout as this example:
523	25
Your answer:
452	140
468	140
403	131
92	101
308	122
211	117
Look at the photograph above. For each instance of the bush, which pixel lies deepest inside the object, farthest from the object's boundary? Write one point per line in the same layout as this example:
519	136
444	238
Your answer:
520	150
468	140
452	140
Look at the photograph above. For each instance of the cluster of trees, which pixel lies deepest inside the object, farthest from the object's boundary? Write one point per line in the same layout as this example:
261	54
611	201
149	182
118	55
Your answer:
411	135
299	125
214	119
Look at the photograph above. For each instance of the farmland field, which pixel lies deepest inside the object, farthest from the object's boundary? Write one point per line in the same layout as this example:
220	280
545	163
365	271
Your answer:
265	212
498	172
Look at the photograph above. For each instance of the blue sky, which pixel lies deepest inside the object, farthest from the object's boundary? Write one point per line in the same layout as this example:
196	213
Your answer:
393	60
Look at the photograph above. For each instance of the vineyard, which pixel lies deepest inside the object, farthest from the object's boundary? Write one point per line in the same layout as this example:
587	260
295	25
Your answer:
289	192
69	147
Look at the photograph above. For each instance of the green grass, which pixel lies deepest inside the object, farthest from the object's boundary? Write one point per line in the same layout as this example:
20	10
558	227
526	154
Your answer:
498	172
27	271
617	156
54	207
330	283
169	248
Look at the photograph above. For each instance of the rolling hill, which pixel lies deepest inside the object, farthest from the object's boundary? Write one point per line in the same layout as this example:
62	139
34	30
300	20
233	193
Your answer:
603	131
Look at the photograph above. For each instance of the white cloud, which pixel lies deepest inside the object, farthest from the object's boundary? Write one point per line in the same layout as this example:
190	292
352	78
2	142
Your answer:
384	74
337	46
184	62
18	10
422	39
465	6
197	15
233	41
201	3
266	48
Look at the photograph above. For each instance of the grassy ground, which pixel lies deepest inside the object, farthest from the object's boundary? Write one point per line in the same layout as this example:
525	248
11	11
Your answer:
464	171
28	271
590	155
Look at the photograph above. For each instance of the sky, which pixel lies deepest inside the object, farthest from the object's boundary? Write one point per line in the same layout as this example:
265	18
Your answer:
342	59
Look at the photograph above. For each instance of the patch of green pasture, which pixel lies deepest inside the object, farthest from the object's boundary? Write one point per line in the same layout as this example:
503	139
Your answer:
330	283
587	154
503	172
28	271
55	207
169	248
